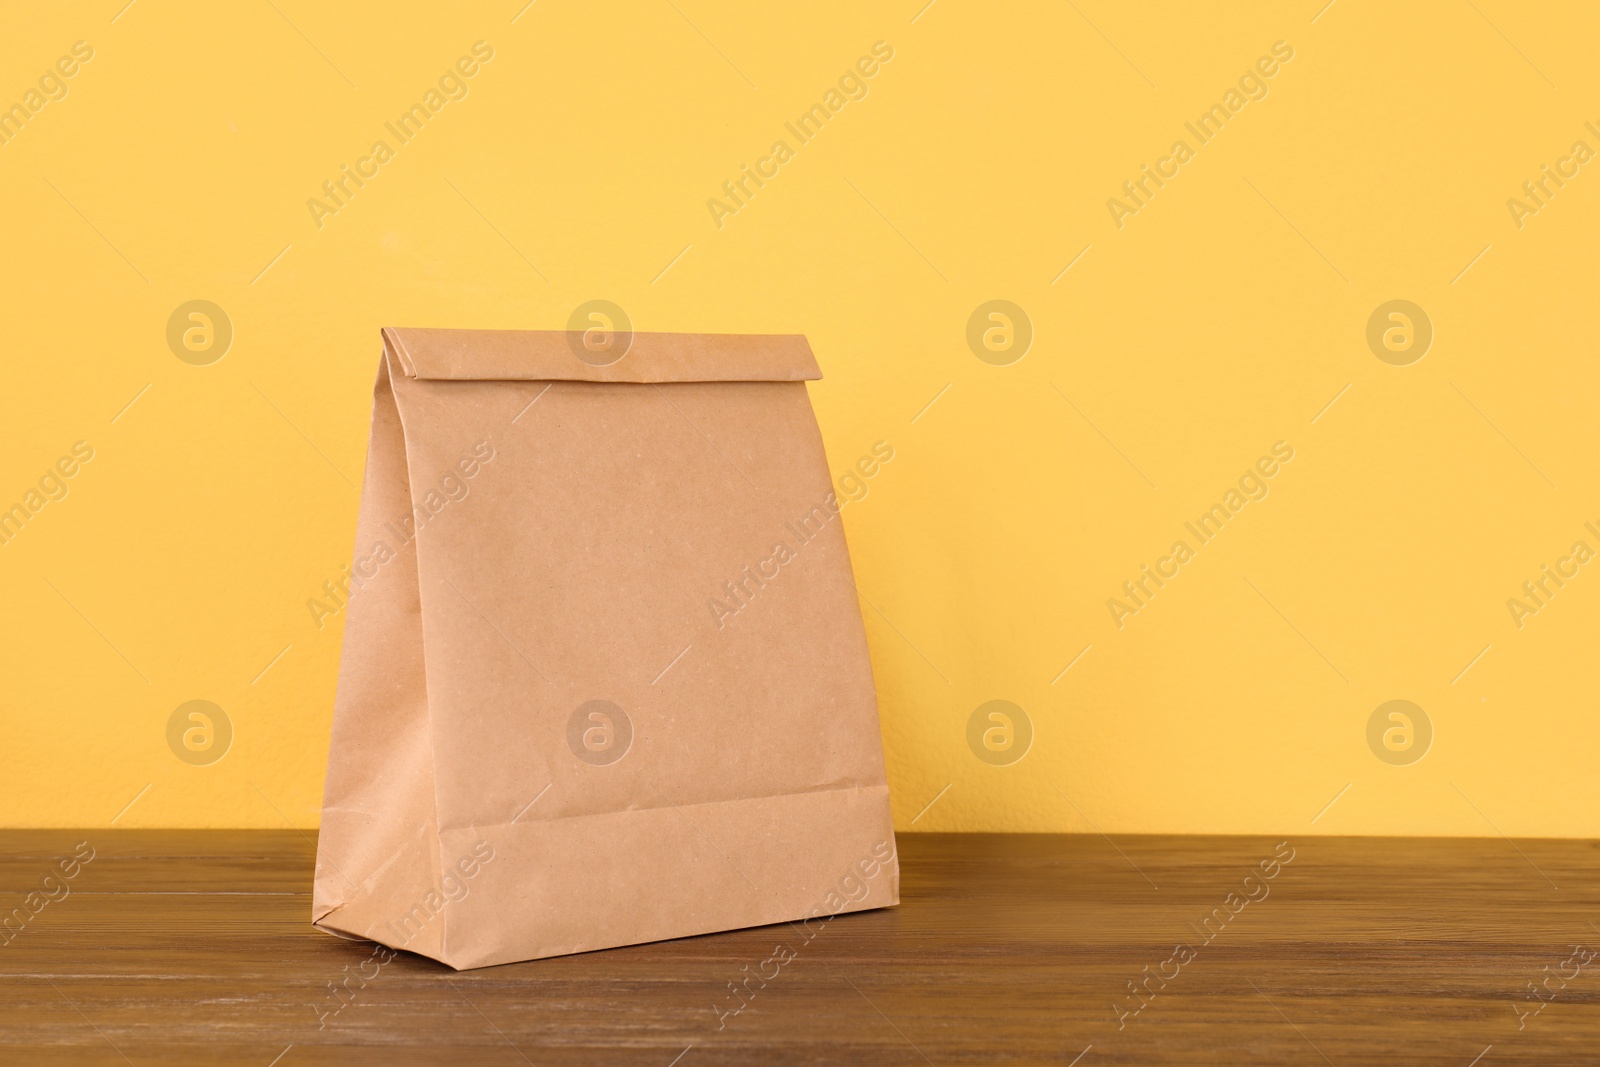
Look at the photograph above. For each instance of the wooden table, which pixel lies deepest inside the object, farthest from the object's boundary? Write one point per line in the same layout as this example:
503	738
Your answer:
179	947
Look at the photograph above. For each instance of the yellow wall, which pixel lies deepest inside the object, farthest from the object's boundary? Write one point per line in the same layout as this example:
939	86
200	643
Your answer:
1223	316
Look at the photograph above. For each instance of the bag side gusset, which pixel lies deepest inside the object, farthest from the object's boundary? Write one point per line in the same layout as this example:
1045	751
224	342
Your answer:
378	848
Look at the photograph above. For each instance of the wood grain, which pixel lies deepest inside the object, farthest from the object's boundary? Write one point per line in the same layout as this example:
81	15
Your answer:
193	947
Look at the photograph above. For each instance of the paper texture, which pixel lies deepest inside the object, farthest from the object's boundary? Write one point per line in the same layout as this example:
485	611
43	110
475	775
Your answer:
604	677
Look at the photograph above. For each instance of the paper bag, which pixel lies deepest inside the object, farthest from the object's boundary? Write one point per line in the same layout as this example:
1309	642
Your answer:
604	677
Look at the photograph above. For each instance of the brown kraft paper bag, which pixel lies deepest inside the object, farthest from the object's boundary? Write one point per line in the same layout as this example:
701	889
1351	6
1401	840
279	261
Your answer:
604	678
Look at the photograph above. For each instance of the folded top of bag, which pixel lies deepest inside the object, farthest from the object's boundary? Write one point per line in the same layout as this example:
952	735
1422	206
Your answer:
559	355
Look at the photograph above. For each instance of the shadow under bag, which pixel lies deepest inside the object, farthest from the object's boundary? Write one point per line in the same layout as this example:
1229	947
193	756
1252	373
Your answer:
604	677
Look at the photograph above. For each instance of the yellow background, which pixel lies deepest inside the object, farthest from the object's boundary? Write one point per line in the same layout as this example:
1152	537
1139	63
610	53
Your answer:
1223	317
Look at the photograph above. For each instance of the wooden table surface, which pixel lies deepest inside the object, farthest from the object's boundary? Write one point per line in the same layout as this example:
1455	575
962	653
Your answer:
180	947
